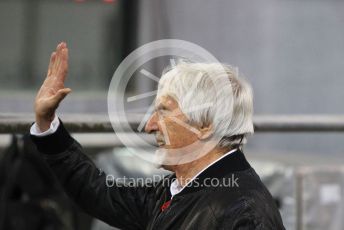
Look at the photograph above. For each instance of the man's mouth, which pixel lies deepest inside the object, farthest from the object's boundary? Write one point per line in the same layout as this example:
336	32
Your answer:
160	140
160	143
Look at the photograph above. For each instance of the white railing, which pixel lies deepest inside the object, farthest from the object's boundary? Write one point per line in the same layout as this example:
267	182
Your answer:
95	123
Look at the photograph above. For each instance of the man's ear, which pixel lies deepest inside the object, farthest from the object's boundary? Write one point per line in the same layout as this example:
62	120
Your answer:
205	132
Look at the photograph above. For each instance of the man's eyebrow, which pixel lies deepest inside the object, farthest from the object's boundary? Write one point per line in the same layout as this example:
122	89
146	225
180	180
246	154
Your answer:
160	106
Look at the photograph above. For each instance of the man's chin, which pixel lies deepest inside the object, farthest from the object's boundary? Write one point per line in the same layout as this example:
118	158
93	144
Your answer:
167	158
160	156
165	167
160	159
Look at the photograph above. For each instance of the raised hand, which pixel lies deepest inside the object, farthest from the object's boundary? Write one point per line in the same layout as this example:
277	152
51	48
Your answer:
52	90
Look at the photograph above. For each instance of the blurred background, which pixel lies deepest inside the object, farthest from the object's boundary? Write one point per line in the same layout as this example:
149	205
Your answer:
291	51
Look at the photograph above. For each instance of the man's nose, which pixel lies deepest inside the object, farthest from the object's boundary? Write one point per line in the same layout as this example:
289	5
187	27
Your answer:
152	124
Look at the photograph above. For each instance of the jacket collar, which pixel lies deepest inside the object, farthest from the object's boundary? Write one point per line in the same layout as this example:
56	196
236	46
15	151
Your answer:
231	163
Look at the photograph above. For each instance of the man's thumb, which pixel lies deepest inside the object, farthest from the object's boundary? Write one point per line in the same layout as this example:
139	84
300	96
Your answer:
62	93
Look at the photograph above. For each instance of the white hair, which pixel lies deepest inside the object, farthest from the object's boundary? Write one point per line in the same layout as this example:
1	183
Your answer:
209	99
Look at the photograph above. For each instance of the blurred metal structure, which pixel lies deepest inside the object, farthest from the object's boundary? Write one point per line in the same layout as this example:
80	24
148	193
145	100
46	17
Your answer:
319	197
93	123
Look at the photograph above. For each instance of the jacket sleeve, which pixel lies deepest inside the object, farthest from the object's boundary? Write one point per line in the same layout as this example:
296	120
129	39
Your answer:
118	205
242	216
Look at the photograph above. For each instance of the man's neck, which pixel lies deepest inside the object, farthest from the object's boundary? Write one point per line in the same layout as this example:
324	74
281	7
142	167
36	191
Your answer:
185	172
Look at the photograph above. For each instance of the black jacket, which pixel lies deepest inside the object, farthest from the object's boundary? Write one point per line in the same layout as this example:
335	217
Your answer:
243	204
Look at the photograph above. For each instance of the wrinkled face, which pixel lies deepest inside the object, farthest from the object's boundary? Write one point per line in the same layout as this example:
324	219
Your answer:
170	125
173	132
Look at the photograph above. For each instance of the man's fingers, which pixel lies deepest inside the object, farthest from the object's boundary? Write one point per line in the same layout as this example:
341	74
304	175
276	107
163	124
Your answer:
58	57
51	63
61	94
63	68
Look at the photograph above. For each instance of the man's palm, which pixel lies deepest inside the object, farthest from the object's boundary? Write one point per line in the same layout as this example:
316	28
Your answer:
52	90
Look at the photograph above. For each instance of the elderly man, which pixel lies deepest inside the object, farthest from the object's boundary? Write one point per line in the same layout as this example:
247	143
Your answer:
187	199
